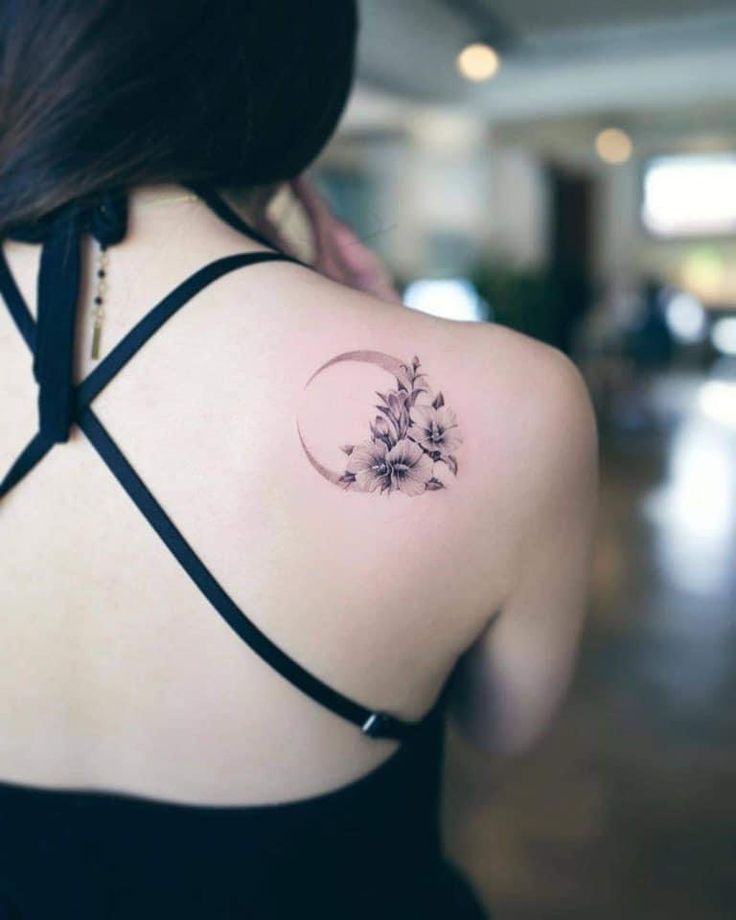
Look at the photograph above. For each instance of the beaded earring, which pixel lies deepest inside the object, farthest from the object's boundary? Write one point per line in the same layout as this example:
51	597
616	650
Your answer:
100	287
98	313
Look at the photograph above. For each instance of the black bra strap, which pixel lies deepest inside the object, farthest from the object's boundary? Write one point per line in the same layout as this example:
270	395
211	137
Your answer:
17	307
219	598
373	723
34	451
216	203
85	392
37	448
137	337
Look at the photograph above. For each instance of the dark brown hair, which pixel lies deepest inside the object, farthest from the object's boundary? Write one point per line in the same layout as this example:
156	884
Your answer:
102	93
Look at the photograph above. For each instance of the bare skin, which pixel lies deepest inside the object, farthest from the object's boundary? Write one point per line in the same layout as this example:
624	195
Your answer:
115	672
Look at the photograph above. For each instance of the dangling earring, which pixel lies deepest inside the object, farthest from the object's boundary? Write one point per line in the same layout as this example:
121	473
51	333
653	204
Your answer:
98	313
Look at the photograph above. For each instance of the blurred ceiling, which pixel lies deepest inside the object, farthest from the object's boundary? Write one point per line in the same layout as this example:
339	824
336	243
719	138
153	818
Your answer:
560	59
534	16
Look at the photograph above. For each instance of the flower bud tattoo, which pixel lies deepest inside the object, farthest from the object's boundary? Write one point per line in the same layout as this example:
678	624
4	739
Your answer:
412	437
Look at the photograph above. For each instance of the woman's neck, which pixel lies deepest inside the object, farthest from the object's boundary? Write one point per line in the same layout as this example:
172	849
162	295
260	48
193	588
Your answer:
161	209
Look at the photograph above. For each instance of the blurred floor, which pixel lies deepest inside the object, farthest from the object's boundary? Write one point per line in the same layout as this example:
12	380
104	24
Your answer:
627	808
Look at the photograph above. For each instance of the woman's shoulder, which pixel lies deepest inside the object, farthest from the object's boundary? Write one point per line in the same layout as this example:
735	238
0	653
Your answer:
511	383
521	404
397	458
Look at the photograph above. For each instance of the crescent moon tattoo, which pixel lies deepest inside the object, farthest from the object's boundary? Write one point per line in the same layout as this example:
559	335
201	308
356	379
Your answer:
414	435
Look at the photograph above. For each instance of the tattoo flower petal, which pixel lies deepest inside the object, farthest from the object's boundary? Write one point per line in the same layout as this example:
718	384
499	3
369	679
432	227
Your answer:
368	463
410	467
435	429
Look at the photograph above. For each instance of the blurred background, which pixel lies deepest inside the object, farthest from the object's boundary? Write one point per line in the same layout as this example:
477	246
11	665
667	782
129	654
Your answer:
569	169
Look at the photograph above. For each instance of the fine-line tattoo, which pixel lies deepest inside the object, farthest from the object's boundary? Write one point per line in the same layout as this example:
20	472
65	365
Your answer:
414	433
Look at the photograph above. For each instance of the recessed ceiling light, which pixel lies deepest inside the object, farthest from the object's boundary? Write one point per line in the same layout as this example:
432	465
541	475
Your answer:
613	145
478	62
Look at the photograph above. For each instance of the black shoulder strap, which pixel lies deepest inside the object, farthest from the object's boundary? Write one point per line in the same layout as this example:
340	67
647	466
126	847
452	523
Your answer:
89	388
372	723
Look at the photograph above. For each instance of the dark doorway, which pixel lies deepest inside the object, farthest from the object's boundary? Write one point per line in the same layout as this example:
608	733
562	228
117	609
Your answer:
571	248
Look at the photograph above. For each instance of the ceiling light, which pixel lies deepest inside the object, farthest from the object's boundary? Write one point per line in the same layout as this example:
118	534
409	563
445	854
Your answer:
478	62
613	145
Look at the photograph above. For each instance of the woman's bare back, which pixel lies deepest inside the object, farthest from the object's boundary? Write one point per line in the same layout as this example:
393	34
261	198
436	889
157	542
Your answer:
116	673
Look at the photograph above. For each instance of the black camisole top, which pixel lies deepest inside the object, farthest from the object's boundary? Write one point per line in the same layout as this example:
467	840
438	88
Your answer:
371	848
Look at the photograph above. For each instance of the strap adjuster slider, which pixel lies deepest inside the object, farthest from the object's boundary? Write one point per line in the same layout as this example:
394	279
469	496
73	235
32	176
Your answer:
375	724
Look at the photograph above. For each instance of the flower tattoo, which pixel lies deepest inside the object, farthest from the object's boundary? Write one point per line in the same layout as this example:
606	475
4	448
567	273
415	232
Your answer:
411	437
373	465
